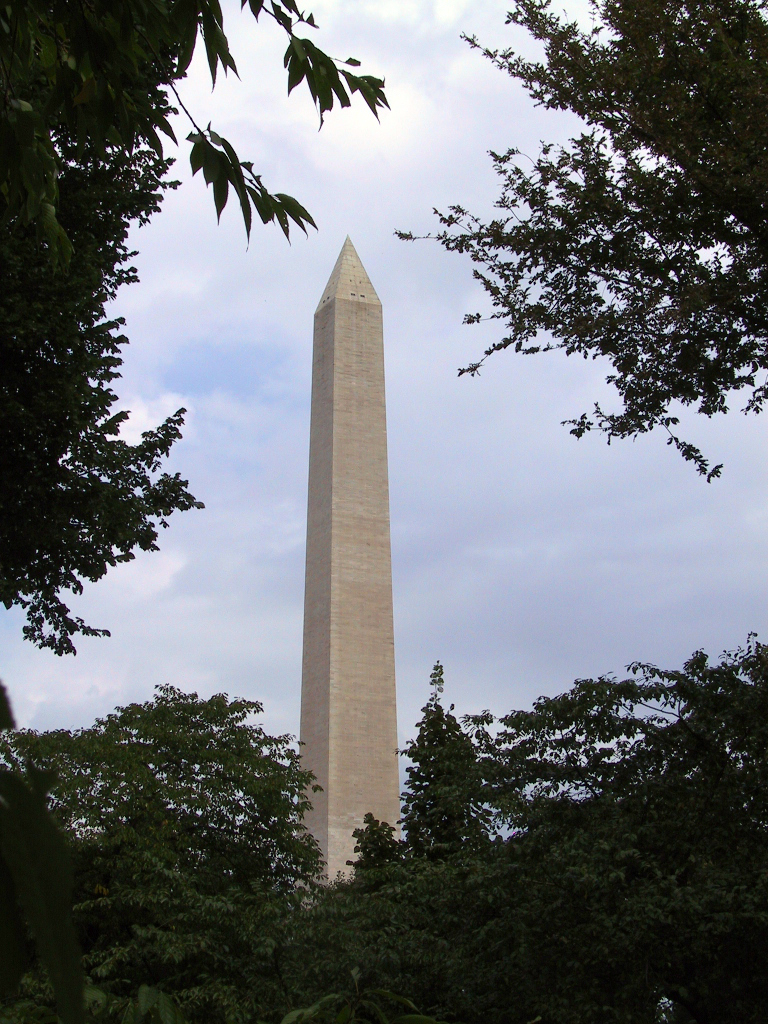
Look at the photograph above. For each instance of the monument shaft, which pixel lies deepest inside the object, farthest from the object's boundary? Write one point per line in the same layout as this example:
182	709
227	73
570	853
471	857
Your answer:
348	707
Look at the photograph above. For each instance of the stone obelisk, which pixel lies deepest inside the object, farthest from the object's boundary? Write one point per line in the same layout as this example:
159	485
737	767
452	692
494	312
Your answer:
348	709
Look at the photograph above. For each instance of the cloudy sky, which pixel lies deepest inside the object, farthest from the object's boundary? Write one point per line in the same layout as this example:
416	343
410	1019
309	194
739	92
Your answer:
522	558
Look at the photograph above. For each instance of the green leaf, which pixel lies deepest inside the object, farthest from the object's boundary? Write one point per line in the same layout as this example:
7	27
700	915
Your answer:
154	140
48	52
197	154
344	1014
297	70
213	163
186	53
238	182
375	1011
216	45
95	998
298	48
58	242
296	211
87	93
220	194
167	1010
309	1011
147	997
130	1016
165	127
210	28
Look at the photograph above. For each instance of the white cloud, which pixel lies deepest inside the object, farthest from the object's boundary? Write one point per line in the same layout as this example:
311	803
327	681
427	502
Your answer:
144	577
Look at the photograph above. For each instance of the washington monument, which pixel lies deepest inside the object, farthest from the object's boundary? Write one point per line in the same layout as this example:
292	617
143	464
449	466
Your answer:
348	710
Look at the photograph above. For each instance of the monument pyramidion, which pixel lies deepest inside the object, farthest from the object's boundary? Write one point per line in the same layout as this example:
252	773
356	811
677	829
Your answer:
348	705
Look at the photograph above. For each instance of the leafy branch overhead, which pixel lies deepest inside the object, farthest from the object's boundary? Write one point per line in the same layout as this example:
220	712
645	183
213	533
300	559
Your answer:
83	68
644	240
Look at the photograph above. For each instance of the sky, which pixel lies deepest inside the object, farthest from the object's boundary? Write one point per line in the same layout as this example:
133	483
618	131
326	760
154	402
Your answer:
522	557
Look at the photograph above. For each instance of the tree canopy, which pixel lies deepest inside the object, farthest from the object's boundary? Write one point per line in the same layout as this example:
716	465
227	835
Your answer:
637	815
622	878
185	823
610	868
644	240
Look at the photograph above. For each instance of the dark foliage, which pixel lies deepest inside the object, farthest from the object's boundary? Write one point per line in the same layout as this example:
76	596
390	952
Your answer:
625	881
609	869
442	805
74	497
376	844
184	820
36	885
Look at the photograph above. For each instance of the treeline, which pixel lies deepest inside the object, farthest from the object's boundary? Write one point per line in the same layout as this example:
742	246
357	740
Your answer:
599	858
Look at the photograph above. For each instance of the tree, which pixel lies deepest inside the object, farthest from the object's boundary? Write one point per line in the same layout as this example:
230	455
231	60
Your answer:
443	811
376	844
637	814
626	882
74	497
644	240
184	820
84	67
